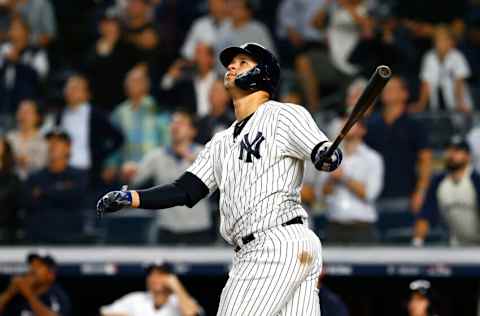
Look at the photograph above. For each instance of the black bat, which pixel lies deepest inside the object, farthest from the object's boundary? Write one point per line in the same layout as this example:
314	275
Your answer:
373	89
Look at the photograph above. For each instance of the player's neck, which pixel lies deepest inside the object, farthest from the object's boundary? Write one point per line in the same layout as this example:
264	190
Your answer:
247	104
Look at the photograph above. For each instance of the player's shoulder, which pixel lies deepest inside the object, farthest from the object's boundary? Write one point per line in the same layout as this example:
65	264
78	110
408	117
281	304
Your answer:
135	297
222	135
286	107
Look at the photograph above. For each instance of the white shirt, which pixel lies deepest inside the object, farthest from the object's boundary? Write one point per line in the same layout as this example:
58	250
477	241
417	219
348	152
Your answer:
202	91
259	173
473	139
163	167
204	30
457	202
443	74
343	35
77	124
141	304
298	14
343	206
35	58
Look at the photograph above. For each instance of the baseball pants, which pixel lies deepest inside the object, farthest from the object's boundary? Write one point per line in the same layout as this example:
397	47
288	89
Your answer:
276	274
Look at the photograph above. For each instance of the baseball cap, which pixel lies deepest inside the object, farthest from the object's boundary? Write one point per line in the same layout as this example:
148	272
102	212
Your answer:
46	259
60	133
255	50
459	142
420	286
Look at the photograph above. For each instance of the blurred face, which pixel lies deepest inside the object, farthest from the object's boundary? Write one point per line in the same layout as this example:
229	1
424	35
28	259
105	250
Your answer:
157	286
443	42
239	65
352	96
27	115
217	7
109	28
357	131
456	158
18	31
41	273
394	93
137	8
76	91
204	57
238	10
181	128
58	149
219	99
136	83
418	304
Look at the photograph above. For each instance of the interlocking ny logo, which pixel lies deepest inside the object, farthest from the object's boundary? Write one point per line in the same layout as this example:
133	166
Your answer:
251	148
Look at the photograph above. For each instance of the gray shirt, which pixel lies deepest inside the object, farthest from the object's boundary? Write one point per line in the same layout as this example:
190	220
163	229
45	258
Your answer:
164	167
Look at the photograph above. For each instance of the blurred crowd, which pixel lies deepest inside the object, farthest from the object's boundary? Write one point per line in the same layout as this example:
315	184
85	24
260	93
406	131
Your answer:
99	94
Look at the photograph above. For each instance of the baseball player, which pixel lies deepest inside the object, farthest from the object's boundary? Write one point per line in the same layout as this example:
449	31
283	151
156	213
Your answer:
257	164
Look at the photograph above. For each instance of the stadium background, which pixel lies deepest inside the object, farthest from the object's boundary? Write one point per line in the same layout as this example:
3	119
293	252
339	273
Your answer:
372	280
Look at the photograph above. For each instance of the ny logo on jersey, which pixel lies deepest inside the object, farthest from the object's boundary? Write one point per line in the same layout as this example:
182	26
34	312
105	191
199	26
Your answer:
252	148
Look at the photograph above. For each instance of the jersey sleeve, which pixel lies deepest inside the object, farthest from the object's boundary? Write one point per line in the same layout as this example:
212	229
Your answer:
203	166
297	132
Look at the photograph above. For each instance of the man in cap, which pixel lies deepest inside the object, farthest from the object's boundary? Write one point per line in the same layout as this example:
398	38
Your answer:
36	292
421	301
453	196
257	164
165	296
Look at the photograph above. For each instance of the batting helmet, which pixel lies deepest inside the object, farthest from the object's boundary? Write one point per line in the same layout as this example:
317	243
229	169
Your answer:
264	76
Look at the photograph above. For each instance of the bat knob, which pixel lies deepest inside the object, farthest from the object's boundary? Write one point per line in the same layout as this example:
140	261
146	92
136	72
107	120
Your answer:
384	71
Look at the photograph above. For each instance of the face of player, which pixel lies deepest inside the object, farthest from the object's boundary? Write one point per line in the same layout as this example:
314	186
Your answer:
456	158
239	65
27	114
418	304
157	285
181	128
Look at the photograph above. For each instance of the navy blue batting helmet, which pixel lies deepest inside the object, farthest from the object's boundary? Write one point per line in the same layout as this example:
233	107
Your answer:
264	76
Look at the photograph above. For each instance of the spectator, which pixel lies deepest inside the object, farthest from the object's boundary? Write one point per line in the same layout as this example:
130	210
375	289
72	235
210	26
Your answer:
40	18
205	29
189	84
84	123
142	124
29	145
403	144
10	188
351	191
6	7
453	196
422	300
473	139
36	292
22	66
52	190
165	295
354	91
165	164
444	73
108	62
344	22
242	28
220	115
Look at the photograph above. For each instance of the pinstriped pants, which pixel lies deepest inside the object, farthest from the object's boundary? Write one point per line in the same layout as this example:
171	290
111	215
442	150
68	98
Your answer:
276	274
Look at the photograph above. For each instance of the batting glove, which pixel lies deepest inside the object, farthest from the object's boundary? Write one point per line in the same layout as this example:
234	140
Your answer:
114	201
323	162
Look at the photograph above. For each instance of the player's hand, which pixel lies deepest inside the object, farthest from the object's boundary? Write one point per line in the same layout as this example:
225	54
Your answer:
114	201
327	163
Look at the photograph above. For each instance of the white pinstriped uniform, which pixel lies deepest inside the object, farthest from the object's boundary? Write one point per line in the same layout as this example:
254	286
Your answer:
259	183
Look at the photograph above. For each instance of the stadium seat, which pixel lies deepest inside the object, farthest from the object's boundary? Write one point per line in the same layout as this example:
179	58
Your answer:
124	230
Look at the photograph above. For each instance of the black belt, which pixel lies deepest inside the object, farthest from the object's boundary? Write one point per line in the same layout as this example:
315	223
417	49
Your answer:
250	237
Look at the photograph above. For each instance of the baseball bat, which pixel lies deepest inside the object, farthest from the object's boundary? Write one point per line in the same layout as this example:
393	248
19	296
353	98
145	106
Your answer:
373	89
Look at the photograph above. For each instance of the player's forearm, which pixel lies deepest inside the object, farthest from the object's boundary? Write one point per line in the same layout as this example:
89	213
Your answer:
459	90
356	187
188	306
424	96
5	298
421	229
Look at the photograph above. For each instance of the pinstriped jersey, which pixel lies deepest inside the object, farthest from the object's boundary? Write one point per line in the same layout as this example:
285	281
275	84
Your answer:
260	171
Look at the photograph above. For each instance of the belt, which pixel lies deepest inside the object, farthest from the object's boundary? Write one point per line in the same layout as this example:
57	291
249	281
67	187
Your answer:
250	237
